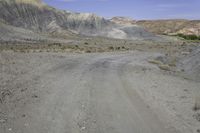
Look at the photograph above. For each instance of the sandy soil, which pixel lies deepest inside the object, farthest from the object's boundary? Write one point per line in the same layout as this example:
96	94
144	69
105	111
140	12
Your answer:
93	93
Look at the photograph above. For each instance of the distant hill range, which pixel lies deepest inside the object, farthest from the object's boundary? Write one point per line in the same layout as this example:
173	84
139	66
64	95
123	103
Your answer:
23	19
170	26
28	20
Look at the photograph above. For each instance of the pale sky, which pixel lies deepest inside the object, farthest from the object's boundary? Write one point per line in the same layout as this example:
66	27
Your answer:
136	9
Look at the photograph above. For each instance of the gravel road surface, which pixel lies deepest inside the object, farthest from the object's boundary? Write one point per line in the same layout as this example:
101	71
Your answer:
95	93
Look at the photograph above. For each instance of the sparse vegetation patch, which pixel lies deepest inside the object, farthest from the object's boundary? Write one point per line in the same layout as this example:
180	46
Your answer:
188	37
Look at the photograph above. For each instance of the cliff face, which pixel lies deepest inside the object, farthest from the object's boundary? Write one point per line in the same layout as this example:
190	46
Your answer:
36	16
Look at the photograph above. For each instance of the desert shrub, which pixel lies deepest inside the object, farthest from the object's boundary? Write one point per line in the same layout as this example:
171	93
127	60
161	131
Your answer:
63	48
111	48
127	48
54	44
22	51
88	51
118	48
189	37
76	46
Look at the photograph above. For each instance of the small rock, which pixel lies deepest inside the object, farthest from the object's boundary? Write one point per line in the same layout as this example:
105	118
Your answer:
197	116
10	129
185	53
2	120
94	121
26	124
22	90
198	130
183	97
83	106
35	96
82	128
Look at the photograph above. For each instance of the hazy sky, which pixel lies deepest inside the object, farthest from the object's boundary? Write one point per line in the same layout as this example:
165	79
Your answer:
136	9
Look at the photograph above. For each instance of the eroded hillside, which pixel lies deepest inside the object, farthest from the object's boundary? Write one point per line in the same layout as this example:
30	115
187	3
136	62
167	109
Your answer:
36	16
168	26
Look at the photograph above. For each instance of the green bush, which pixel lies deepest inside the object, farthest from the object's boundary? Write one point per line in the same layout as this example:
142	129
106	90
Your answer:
189	37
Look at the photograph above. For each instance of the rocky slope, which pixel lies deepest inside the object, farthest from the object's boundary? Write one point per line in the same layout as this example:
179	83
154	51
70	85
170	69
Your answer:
173	26
190	65
36	16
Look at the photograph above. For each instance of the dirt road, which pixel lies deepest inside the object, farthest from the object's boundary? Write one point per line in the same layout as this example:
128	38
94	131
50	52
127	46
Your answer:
96	93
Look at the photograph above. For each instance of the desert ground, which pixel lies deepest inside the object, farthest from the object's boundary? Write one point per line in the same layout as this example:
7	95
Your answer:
76	90
65	71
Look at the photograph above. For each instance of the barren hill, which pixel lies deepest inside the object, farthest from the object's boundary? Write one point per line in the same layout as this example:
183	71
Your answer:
170	26
37	16
186	27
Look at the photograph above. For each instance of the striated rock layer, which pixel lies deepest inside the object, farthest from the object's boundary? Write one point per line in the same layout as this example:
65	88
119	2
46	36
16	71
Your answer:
37	16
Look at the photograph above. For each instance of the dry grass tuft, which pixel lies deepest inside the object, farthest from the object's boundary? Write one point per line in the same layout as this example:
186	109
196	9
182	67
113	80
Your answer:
172	61
164	67
157	62
197	103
